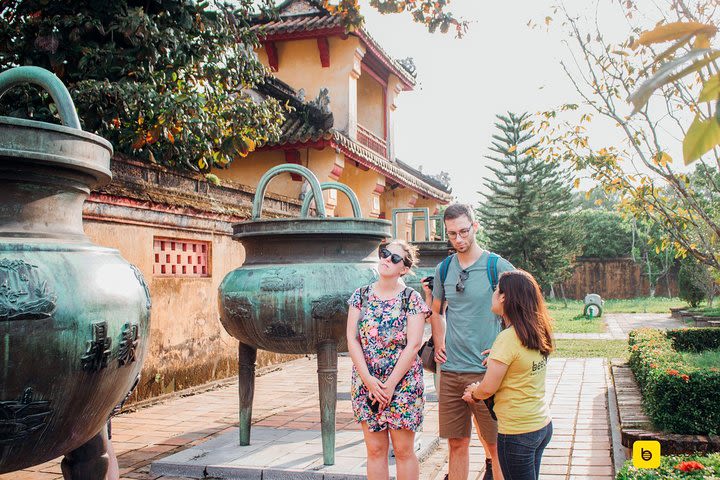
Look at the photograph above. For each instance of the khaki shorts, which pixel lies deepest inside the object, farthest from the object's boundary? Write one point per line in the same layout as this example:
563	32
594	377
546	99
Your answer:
455	412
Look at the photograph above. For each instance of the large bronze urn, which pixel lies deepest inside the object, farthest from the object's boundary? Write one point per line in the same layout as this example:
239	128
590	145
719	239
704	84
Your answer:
73	316
290	294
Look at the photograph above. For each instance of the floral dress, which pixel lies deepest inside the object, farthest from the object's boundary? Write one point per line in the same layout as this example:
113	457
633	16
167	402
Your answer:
383	336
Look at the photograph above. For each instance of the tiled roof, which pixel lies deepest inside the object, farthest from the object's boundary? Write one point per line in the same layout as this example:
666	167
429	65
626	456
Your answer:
300	24
391	169
427	178
306	123
297	130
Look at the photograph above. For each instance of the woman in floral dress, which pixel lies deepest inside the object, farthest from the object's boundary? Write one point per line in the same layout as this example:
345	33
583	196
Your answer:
384	331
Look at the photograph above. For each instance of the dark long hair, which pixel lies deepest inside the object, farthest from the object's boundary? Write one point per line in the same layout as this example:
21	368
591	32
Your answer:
525	310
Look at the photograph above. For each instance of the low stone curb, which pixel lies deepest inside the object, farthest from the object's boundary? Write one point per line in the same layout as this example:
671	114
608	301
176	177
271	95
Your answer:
619	452
635	425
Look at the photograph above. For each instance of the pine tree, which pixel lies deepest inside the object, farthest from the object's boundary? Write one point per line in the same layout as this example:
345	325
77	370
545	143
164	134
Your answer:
527	210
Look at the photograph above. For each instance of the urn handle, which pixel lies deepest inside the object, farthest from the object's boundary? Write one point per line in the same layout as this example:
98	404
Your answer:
425	216
50	82
289	168
341	187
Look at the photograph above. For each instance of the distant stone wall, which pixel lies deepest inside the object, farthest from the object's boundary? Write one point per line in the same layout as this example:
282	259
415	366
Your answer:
615	278
188	346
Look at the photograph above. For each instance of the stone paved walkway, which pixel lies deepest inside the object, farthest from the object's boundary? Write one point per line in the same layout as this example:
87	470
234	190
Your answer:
620	324
287	398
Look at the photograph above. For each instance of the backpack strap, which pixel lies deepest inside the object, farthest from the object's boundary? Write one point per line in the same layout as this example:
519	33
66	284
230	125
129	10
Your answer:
444	267
406	298
492	271
363	296
407	292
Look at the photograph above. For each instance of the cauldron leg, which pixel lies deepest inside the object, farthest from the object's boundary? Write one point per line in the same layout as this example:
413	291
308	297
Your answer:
246	389
327	383
89	461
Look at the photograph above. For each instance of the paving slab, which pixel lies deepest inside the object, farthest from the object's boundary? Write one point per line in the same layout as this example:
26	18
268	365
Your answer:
276	453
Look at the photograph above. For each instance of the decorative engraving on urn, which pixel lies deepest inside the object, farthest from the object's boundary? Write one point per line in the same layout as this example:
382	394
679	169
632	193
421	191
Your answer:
237	306
280	330
23	417
329	306
98	349
128	345
276	283
23	295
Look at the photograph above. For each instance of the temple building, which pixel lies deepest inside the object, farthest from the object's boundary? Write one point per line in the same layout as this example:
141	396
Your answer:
346	132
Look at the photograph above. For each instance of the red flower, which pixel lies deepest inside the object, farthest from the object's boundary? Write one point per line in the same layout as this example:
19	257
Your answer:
672	371
685	377
635	348
689	466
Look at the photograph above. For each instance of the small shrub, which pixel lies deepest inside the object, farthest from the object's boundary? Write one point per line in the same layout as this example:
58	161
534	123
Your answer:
695	339
675	467
677	396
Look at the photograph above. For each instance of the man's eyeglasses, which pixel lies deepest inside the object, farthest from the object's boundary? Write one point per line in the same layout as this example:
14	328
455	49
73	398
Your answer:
394	257
460	286
461	233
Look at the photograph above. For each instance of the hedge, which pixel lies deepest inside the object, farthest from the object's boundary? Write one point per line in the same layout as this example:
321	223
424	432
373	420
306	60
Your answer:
695	339
679	398
675	467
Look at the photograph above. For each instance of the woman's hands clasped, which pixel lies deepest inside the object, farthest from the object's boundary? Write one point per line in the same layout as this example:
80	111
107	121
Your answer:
381	392
377	392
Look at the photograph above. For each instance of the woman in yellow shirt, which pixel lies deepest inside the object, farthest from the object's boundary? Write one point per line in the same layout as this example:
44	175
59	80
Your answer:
516	376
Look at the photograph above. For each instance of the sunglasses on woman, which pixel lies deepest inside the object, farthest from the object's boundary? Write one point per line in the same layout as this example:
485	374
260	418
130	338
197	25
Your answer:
394	257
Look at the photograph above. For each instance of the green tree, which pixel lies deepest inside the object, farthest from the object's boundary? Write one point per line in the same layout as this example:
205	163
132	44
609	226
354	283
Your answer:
638	169
695	282
164	80
431	13
656	262
605	234
526	213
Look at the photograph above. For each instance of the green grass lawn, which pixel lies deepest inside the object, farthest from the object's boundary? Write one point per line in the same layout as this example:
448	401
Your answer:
642	305
704	359
569	319
591	348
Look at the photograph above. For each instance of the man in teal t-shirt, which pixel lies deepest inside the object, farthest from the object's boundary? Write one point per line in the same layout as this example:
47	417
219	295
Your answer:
470	329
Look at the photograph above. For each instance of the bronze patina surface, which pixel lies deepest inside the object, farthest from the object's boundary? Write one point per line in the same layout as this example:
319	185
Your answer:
74	317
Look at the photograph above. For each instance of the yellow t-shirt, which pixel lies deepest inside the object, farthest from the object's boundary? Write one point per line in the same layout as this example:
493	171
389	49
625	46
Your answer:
520	401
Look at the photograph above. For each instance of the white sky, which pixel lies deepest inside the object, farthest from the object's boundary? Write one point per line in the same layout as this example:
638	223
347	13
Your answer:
501	65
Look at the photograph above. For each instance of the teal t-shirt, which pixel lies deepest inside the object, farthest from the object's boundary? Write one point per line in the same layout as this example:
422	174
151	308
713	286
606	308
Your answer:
471	325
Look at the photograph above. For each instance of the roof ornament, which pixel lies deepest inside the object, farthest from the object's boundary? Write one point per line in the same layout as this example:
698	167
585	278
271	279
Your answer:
442	177
409	65
322	102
